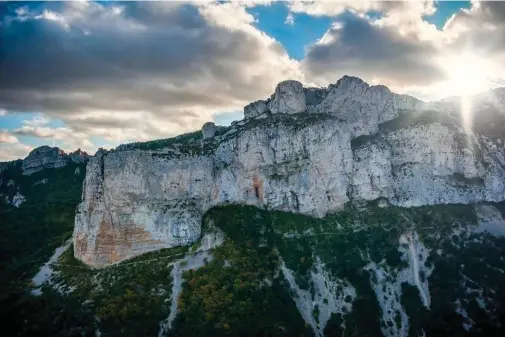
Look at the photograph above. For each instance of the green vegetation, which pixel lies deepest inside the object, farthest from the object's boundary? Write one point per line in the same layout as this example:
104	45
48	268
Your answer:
193	144
29	234
405	119
240	290
411	118
346	240
157	144
127	299
235	295
488	123
188	143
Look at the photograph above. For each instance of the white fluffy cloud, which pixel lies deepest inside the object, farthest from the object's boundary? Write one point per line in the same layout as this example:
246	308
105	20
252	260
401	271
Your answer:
7	138
332	8
70	138
404	51
14	151
11	148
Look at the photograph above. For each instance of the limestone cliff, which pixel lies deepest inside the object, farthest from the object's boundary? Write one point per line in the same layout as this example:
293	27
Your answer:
303	150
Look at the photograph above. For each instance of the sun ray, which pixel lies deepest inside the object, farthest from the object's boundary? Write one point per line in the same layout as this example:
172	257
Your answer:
466	118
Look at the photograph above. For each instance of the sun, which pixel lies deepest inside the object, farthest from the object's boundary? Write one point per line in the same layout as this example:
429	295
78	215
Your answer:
466	73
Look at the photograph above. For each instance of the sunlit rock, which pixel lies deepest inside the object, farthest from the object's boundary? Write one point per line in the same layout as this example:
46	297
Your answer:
289	98
255	109
318	150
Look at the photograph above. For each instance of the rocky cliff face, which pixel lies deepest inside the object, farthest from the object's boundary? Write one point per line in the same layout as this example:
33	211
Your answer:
363	107
303	150
50	157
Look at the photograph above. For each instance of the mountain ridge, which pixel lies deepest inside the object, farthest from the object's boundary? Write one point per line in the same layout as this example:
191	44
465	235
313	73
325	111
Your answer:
354	144
349	80
284	224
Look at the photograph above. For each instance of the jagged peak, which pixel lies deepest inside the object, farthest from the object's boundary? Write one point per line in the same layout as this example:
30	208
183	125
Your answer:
289	83
79	152
351	82
291	96
100	151
44	149
347	80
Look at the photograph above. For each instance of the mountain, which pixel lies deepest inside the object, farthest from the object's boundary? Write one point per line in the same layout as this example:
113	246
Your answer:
50	157
12	182
340	211
355	143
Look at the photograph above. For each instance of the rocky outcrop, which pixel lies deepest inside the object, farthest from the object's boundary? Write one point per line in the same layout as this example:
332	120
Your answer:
50	157
289	98
362	106
209	130
255	109
311	162
428	164
18	199
78	156
43	157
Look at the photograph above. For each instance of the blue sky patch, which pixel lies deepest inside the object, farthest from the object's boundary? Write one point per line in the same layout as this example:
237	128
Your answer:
305	31
445	9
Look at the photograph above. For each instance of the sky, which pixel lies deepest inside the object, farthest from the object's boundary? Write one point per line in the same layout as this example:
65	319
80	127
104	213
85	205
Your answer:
98	74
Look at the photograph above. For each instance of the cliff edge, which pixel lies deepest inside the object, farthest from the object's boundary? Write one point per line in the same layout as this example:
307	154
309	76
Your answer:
305	150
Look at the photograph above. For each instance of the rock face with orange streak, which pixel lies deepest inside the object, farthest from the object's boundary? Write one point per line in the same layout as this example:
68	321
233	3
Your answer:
137	201
134	202
311	162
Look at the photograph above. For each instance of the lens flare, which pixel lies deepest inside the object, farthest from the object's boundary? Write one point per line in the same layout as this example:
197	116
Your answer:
466	111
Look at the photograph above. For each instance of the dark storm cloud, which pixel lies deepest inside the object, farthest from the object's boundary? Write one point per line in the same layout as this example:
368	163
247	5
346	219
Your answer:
126	56
359	47
43	53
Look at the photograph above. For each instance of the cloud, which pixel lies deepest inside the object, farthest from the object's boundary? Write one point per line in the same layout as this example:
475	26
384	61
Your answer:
333	8
7	138
290	19
358	46
401	49
13	151
39	127
481	28
168	66
125	71
11	148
